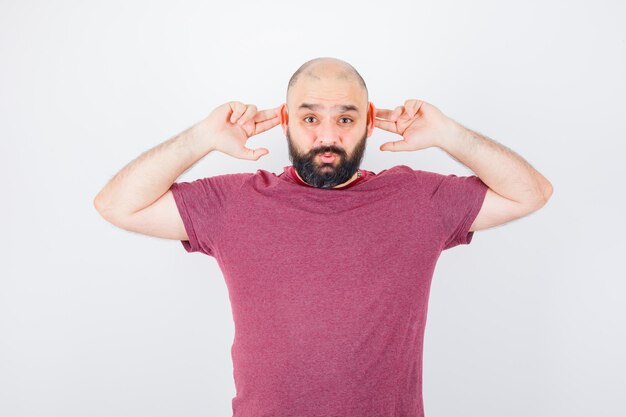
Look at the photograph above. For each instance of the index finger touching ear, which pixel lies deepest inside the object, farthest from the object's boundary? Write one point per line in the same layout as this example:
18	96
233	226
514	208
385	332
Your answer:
267	114
383	114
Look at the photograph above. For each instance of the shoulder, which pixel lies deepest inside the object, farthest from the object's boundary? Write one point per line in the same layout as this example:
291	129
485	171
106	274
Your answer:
226	181
404	173
405	169
241	181
402	170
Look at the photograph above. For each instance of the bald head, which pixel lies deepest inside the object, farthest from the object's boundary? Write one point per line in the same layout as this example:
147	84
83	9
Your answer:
327	111
326	68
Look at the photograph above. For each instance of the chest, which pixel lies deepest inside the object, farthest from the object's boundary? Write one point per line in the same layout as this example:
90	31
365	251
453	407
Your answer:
381	244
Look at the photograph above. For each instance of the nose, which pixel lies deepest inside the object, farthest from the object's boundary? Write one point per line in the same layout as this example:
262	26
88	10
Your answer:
328	134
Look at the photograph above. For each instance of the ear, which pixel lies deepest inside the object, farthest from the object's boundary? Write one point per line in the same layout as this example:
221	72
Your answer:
284	117
371	117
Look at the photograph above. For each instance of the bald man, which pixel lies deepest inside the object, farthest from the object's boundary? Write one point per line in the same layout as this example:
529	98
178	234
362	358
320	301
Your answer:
328	266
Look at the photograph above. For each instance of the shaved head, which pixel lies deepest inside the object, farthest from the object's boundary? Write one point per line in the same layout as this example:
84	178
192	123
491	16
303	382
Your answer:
326	68
327	119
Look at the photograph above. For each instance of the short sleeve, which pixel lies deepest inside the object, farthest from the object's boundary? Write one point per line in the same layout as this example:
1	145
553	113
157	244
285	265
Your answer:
202	205
456	201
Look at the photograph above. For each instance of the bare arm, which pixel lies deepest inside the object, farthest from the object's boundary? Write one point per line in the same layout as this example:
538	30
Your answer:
503	170
138	198
142	181
515	187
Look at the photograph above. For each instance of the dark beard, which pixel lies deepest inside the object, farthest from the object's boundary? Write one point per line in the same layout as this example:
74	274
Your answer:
326	175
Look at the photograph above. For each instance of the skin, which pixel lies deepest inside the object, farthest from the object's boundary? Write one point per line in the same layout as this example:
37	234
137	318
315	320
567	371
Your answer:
310	133
138	198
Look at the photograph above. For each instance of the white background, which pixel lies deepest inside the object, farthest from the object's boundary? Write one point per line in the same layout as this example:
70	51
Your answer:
528	320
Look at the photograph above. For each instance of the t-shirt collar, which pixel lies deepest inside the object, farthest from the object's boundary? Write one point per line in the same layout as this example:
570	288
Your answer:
290	171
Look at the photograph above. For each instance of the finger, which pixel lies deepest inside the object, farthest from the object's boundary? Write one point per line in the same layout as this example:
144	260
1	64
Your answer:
238	109
397	112
390	114
383	113
409	105
413	107
247	115
268	114
266	125
386	125
397	146
253	154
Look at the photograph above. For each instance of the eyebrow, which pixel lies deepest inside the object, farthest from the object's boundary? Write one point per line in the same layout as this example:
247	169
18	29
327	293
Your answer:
343	108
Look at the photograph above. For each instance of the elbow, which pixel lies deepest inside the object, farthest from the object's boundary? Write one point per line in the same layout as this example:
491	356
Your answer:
98	204
547	191
541	197
110	212
104	210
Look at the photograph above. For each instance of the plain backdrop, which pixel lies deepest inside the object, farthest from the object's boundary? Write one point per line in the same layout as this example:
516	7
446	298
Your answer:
527	320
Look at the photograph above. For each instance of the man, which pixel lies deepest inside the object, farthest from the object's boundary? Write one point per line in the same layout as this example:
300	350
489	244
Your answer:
328	266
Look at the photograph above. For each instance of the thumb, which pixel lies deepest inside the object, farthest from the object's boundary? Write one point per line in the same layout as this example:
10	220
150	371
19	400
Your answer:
253	154
397	146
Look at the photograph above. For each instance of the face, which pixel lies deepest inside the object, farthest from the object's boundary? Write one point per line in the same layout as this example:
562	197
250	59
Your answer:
326	166
327	117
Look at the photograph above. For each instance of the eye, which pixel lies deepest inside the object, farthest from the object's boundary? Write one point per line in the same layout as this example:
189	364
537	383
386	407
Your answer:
343	118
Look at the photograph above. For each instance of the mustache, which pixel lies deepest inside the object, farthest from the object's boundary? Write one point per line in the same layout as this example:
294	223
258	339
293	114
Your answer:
327	149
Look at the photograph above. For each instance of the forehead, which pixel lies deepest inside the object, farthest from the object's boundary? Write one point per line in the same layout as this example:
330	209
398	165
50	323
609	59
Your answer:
338	108
328	95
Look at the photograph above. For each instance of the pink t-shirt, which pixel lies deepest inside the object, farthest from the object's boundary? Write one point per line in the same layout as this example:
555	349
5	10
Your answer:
328	287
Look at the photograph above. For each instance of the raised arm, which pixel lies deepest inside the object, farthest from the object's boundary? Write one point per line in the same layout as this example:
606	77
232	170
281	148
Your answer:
515	187
138	197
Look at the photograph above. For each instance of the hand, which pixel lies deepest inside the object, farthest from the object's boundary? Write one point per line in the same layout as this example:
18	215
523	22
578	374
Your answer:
229	126
421	124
